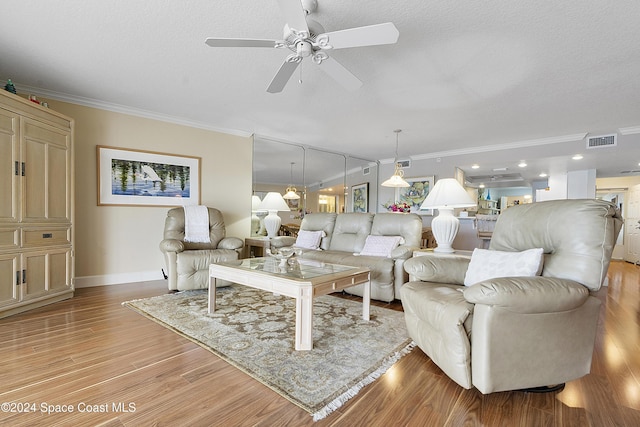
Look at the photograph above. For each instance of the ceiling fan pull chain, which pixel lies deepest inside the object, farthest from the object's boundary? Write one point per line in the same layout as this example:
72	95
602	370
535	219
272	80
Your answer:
300	78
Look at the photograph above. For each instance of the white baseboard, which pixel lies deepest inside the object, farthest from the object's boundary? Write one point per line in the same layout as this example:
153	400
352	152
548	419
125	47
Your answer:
116	279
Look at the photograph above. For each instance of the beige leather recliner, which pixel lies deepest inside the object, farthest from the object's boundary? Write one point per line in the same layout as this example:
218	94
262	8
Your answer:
187	262
517	332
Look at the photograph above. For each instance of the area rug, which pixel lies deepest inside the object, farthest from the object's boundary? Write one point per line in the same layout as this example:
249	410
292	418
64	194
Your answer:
254	331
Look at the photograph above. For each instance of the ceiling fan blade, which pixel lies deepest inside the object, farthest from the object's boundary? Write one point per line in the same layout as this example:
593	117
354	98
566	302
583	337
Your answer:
340	74
371	35
218	42
294	14
282	76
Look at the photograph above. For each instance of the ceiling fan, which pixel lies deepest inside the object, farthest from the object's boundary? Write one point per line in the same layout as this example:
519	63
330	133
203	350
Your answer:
306	38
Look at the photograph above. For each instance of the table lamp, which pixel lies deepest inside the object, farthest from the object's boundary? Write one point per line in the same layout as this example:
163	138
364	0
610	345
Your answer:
446	195
273	202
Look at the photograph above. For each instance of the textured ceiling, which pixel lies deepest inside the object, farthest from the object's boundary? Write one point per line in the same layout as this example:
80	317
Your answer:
463	77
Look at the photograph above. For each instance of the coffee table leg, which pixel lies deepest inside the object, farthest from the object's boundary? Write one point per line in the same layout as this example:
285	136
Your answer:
212	295
304	321
366	300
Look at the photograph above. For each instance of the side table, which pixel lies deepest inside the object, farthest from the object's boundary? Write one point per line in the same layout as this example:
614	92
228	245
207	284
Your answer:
256	246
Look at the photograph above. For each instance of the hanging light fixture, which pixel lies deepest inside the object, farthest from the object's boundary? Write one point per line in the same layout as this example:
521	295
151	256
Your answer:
396	179
291	190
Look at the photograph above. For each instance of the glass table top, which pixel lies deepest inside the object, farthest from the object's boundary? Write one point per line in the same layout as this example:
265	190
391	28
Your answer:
294	268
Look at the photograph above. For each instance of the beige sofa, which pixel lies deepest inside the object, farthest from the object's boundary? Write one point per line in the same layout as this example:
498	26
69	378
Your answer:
510	333
345	236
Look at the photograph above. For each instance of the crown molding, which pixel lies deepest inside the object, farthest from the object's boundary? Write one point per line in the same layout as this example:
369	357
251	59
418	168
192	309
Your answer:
494	147
501	147
629	130
118	108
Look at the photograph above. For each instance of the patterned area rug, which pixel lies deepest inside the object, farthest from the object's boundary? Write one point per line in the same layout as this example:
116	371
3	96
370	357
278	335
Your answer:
254	331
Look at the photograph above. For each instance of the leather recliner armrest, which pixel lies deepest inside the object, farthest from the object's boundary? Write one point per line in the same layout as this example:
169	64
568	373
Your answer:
403	252
171	245
282	241
232	243
437	269
528	295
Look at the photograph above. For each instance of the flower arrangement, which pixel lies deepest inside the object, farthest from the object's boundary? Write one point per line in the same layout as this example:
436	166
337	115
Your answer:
397	207
301	213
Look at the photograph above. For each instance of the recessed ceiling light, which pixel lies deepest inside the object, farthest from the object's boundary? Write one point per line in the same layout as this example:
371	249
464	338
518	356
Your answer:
522	164
481	185
577	157
475	166
542	175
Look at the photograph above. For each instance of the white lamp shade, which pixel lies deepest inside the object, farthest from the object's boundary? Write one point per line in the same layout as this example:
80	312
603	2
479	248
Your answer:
273	201
447	193
291	195
395	181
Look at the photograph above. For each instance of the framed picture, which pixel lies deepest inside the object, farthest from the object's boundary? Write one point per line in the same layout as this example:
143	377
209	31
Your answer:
146	178
294	204
360	197
415	194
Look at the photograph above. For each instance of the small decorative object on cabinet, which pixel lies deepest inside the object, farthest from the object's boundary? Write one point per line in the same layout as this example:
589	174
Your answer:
488	207
9	87
36	205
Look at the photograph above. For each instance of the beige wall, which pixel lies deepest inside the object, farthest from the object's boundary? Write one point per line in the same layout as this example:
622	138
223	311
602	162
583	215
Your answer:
118	244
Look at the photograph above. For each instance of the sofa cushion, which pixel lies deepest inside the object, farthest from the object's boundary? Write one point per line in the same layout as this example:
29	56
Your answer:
350	232
193	267
324	221
380	245
309	239
409	226
489	264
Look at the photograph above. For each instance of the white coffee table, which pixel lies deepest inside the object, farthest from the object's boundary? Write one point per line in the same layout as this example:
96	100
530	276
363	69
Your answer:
303	280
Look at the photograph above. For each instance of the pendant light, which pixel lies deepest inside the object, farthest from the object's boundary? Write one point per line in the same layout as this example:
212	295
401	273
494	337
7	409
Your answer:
396	179
291	190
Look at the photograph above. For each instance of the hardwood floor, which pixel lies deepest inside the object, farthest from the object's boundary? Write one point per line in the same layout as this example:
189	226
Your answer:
129	371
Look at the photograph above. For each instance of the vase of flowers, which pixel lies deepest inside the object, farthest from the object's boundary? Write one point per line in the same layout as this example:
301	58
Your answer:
398	207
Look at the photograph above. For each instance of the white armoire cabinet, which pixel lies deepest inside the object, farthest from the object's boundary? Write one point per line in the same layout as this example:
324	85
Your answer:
36	205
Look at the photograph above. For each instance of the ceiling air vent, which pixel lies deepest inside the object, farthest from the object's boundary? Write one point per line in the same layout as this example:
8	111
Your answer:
602	141
366	171
404	164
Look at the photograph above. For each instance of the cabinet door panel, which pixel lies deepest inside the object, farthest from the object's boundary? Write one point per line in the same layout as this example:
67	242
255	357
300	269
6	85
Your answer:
60	270
46	184
34	183
8	158
9	266
58	184
36	284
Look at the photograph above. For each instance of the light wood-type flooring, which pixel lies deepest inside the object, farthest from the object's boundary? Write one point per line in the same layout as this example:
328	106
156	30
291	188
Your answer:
114	367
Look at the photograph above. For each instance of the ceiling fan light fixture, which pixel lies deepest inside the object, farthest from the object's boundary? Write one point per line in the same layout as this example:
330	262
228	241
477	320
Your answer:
397	179
306	37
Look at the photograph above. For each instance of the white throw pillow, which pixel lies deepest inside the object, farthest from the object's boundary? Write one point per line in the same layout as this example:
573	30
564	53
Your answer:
487	264
309	239
381	245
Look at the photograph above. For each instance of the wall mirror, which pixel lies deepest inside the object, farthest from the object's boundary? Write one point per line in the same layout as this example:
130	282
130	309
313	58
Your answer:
318	176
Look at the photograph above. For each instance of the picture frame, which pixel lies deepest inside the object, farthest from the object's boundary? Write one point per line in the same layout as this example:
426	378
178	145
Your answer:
360	197
129	177
294	204
415	194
